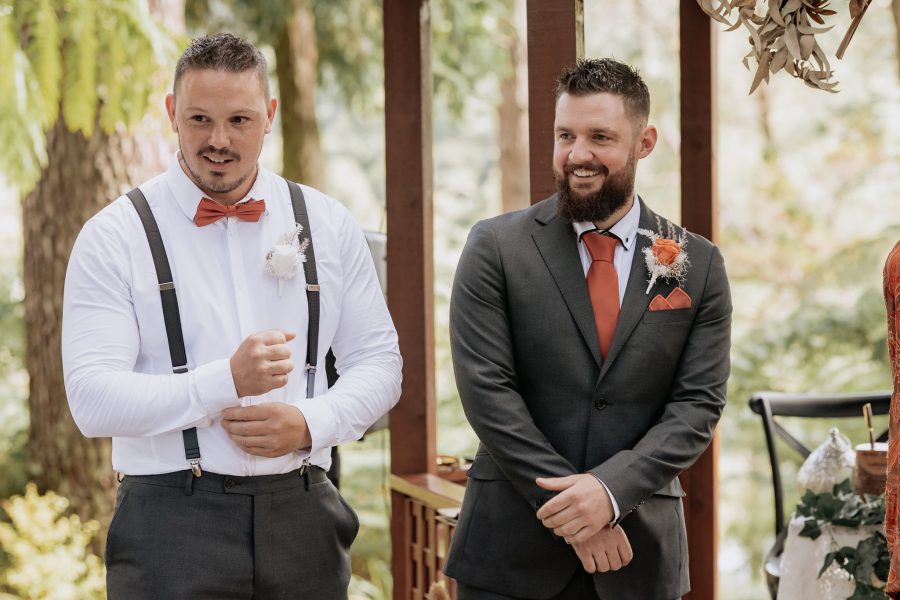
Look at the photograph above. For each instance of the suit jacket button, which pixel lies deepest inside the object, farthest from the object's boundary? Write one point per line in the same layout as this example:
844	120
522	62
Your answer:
600	403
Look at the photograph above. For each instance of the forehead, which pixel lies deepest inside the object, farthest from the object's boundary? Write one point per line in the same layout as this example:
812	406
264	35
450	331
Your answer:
601	110
218	88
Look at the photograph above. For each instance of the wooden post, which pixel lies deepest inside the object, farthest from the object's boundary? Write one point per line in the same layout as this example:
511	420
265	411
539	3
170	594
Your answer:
410	265
555	41
699	214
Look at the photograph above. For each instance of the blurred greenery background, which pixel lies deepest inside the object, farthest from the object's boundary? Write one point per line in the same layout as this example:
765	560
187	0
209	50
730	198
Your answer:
809	192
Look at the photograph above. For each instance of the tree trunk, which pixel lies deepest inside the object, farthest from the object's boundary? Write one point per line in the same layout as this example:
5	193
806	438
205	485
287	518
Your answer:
513	123
296	58
82	175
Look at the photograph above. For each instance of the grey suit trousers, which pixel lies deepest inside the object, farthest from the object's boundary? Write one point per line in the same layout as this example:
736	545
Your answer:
261	538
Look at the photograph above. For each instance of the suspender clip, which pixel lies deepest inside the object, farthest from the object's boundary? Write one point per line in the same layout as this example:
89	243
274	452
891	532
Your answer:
169	285
195	467
310	368
312	287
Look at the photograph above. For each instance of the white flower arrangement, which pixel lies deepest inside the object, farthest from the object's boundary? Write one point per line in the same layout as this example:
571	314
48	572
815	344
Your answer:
665	256
289	252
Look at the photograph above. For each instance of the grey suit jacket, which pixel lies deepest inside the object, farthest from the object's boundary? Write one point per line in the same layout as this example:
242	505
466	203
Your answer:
543	404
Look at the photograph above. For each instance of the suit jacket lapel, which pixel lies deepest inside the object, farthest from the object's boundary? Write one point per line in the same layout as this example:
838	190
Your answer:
556	242
635	302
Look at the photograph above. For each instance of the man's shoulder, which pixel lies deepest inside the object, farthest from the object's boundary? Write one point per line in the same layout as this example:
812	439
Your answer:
524	220
656	223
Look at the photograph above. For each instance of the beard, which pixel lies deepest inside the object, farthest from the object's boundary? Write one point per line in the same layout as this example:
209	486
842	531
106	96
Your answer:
599	205
218	186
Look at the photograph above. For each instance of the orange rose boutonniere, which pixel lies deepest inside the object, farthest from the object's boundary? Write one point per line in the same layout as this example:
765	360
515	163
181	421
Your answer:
666	257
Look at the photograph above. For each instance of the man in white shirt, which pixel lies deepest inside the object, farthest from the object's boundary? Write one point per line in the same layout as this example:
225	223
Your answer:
242	509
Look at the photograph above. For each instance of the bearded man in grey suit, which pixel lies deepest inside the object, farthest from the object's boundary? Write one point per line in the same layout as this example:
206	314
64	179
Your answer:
589	389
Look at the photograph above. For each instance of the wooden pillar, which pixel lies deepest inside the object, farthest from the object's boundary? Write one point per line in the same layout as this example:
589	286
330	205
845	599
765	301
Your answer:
555	41
699	214
410	265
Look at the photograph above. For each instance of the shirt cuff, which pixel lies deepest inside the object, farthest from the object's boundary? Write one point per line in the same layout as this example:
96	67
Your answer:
319	421
615	505
214	387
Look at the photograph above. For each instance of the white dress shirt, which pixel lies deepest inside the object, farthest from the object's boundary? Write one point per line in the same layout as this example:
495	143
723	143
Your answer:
118	372
626	230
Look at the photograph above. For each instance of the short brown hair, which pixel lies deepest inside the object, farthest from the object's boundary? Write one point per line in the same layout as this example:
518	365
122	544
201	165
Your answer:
598	75
223	52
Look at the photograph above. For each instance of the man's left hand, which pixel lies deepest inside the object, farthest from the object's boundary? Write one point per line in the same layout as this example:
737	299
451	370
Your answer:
581	509
271	430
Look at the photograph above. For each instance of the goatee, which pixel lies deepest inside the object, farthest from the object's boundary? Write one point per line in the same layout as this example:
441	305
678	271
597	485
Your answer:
601	204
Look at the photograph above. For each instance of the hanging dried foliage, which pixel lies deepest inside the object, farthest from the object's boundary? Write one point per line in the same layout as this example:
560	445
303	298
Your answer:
783	37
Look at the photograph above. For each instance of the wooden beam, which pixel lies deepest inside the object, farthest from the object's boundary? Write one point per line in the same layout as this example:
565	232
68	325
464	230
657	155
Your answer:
410	264
555	41
699	214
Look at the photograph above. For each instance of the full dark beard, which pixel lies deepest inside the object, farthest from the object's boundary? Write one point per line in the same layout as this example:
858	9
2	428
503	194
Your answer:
600	205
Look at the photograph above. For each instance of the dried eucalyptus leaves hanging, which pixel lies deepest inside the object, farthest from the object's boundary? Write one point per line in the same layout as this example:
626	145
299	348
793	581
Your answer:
784	36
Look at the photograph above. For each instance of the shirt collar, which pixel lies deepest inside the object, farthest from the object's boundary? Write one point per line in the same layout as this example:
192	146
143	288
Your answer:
625	228
188	195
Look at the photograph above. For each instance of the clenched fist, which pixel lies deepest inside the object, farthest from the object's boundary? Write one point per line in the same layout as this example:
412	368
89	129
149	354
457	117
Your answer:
262	363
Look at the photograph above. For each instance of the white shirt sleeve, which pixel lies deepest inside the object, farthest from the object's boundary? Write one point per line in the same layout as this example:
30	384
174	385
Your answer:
615	505
100	345
365	348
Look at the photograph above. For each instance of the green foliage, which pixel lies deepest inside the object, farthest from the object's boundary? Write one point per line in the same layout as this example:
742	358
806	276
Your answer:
839	507
469	42
95	59
48	552
869	562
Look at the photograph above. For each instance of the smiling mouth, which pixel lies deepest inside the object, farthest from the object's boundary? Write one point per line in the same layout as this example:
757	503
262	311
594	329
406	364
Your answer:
584	173
217	160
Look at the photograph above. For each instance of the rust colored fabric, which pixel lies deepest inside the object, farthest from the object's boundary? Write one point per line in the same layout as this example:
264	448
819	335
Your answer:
892	508
677	298
210	211
603	286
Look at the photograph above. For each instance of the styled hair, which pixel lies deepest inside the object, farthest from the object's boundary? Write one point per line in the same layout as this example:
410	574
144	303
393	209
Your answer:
223	52
599	75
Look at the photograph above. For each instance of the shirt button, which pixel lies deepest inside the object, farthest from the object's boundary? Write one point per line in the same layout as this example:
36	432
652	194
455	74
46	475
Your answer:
230	483
600	403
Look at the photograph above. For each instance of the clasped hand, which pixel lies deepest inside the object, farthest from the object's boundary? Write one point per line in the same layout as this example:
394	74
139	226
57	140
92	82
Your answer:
261	364
581	514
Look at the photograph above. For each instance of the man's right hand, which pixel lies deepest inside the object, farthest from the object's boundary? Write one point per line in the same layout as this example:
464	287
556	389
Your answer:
262	362
606	550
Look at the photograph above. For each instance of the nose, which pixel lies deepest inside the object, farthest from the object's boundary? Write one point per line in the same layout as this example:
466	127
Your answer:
218	137
580	152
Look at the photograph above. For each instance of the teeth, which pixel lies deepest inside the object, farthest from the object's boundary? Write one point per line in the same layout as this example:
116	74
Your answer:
585	173
216	160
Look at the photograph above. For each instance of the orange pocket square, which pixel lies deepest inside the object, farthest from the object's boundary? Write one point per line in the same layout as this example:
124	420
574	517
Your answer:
677	298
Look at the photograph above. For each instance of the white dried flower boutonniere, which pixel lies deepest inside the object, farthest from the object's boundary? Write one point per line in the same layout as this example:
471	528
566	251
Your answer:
283	258
666	257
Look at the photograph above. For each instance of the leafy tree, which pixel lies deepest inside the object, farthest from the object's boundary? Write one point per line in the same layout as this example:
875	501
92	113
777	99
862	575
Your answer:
77	74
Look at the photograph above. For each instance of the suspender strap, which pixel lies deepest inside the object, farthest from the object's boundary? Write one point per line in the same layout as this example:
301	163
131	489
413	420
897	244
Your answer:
171	315
312	287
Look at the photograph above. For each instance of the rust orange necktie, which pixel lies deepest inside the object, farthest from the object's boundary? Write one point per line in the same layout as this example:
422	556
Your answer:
210	211
603	285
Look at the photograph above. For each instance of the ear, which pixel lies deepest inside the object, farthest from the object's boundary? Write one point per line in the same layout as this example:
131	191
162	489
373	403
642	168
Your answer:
646	141
170	110
270	114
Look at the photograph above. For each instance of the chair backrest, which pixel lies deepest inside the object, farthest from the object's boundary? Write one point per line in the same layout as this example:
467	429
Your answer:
769	405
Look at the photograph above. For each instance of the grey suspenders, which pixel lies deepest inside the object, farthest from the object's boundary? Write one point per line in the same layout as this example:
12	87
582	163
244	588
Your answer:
172	317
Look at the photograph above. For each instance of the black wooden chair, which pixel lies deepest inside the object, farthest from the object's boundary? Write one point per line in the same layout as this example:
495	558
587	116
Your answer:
769	405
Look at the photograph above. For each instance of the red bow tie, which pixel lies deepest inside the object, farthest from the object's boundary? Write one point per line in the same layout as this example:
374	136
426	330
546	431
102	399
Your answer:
209	211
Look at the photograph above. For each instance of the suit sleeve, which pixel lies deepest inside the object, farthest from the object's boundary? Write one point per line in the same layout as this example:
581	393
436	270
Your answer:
686	426
484	365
